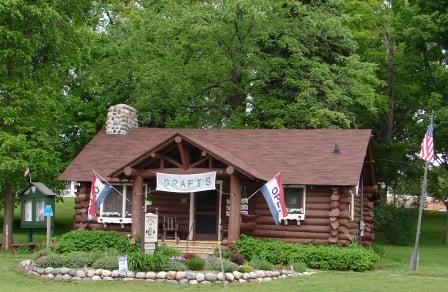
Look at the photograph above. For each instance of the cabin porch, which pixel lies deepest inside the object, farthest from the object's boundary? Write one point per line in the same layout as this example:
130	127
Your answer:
201	248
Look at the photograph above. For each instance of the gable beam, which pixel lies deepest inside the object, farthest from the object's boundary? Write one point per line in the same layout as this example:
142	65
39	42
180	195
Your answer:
184	155
200	161
172	161
150	173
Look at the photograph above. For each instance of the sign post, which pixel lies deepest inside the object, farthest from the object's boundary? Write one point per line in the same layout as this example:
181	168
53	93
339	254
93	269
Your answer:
151	229
48	212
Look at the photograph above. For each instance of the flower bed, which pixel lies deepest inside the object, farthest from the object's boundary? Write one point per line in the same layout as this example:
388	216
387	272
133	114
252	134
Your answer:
180	277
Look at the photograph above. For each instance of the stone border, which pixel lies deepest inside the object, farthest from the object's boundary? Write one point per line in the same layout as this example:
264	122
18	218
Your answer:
180	277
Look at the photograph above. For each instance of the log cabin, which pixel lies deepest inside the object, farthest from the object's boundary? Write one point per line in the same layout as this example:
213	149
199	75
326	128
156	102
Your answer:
328	176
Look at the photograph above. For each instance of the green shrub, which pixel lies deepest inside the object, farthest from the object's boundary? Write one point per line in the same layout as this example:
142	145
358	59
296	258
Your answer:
167	251
245	268
260	263
195	264
396	223
79	259
157	261
41	252
106	263
98	240
176	266
299	267
214	264
378	249
51	260
137	262
325	257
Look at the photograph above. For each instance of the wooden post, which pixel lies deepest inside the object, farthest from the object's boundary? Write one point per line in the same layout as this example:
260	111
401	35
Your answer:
137	203
235	206
48	230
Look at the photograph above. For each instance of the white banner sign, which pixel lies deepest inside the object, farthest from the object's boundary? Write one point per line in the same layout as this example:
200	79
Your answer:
186	183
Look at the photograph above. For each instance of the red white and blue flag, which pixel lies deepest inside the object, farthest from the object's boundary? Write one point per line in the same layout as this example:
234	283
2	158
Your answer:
427	150
275	197
98	192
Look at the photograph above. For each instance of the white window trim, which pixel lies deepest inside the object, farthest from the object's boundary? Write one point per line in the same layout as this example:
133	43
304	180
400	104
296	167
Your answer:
297	217
352	206
123	219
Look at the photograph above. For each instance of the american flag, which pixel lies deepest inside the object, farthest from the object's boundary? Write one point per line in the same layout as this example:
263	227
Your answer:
427	151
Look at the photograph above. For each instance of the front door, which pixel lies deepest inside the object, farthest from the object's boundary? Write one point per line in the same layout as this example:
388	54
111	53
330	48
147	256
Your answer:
206	215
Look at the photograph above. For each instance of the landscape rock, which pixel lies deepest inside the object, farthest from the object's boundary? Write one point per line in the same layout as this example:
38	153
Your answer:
183	281
58	277
76	278
260	274
90	273
267	279
39	270
190	276
180	275
96	278
200	277
246	276
50	276
98	272
242	281
72	272
230	277
106	273
220	276
48	270
140	275
80	274
206	282
108	278
127	279
161	275
151	275
171	275
193	282
56	271
66	277
130	274
210	276
237	275
64	271
115	274
252	275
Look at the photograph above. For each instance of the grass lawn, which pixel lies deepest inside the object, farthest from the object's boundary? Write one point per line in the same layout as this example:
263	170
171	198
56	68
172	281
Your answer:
394	275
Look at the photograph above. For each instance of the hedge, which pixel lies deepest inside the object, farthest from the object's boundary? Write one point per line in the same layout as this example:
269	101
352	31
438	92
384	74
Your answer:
326	257
95	240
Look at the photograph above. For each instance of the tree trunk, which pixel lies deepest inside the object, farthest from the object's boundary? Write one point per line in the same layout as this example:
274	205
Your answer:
390	50
8	217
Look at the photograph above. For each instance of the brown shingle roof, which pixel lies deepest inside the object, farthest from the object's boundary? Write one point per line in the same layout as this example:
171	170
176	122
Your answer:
302	156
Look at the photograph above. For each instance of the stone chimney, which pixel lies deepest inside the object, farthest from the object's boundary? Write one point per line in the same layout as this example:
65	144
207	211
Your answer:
121	118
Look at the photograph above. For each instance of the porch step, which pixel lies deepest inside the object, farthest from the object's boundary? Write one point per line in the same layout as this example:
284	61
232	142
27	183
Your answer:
201	248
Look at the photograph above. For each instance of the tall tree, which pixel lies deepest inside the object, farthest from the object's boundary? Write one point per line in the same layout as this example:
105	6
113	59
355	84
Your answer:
39	44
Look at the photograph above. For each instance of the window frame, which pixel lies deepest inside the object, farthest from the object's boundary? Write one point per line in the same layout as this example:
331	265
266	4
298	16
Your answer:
298	217
122	219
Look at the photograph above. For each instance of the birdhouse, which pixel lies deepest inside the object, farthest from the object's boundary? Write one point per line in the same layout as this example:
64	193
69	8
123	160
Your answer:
33	202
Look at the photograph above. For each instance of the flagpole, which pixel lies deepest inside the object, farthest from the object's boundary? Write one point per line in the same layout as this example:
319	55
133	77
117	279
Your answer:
415	254
254	193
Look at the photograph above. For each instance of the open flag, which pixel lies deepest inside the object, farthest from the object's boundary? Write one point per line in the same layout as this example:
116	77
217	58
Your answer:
275	197
98	192
427	150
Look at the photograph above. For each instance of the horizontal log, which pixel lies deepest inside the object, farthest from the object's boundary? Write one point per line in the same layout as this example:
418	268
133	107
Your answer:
343	230
344	236
295	228
300	240
344	215
318	206
247	226
289	234
151	173
344	222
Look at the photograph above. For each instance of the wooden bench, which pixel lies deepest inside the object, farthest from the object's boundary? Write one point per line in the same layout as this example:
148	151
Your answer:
15	246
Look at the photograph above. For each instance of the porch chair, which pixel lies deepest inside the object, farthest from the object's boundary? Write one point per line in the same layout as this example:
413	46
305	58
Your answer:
170	224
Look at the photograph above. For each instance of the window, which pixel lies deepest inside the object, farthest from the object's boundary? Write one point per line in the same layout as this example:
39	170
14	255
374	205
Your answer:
295	202
40	206
117	208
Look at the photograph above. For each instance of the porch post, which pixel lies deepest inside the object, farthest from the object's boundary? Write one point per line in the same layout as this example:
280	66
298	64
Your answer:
137	203
235	206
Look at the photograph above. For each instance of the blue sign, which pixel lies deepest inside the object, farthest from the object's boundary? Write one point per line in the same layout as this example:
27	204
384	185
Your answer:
48	212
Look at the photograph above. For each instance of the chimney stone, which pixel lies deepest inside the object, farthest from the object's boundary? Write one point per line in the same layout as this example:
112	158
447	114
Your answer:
121	118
